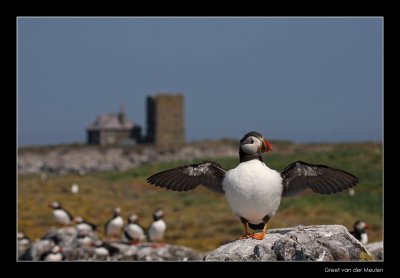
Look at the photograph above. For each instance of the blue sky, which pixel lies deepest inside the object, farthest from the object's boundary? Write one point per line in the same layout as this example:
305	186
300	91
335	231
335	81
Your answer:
300	79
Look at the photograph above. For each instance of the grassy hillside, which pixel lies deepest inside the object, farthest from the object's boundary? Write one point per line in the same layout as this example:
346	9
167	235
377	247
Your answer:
201	219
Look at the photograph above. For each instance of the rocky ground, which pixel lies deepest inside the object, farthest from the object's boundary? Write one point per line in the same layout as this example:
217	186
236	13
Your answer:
303	243
82	159
73	246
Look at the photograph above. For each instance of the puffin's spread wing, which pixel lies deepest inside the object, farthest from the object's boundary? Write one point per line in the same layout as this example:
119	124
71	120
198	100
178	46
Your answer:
320	178
188	177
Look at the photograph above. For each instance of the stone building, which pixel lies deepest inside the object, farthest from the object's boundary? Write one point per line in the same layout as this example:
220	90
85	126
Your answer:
113	128
165	120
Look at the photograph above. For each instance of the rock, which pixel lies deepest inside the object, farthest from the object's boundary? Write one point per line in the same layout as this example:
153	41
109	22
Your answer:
376	249
87	247
311	243
154	252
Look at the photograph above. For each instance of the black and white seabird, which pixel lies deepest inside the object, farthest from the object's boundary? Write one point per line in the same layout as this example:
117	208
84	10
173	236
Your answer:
84	238
133	231
83	225
54	255
104	250
157	228
114	224
360	232
61	215
252	189
24	243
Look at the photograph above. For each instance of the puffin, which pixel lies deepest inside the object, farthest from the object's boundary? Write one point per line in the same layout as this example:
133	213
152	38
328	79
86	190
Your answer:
252	189
103	250
114	225
61	215
24	243
133	231
156	230
54	255
83	225
359	231
84	239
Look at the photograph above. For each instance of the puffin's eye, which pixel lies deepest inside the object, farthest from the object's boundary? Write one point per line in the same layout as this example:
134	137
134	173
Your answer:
251	141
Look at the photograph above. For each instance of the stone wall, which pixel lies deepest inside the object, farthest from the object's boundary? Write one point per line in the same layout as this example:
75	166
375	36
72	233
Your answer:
83	159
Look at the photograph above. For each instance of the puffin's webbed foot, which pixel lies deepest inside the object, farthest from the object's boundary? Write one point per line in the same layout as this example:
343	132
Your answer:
246	236
259	236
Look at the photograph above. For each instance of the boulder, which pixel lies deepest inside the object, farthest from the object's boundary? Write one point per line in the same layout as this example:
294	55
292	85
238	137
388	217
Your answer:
303	243
376	250
87	247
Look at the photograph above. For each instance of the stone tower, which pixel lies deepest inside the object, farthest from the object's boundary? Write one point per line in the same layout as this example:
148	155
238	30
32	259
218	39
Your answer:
165	120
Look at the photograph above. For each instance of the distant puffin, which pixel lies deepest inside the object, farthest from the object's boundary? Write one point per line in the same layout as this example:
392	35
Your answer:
23	239
24	244
75	188
61	215
133	231
84	239
54	255
83	225
114	224
157	228
252	189
103	250
360	232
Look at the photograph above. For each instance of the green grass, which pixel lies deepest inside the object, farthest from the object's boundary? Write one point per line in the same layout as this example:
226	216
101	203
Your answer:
202	219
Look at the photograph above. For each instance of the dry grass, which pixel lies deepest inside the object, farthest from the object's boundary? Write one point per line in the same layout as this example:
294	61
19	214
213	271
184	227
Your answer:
201	219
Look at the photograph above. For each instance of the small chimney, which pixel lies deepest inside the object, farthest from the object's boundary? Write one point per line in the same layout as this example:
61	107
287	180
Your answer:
121	114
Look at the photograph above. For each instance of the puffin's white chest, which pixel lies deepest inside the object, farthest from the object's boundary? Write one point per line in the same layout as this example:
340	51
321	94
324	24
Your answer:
61	216
85	241
156	230
364	238
54	257
115	225
253	190
84	227
101	252
135	232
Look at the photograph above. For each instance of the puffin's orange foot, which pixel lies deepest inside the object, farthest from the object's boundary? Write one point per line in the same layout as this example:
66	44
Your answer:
157	244
246	236
258	236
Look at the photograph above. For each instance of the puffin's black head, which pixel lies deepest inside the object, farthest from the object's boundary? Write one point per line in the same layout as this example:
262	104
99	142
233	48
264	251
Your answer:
133	218
116	211
158	214
56	249
78	219
252	146
55	205
360	226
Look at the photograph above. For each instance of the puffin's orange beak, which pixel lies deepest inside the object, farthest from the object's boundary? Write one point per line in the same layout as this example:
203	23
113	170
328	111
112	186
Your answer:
267	146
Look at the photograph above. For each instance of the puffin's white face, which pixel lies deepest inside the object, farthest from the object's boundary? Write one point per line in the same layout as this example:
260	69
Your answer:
133	218
159	213
55	205
78	219
116	211
55	249
251	145
361	226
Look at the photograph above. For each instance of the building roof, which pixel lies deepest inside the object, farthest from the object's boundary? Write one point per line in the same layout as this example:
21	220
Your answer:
111	121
